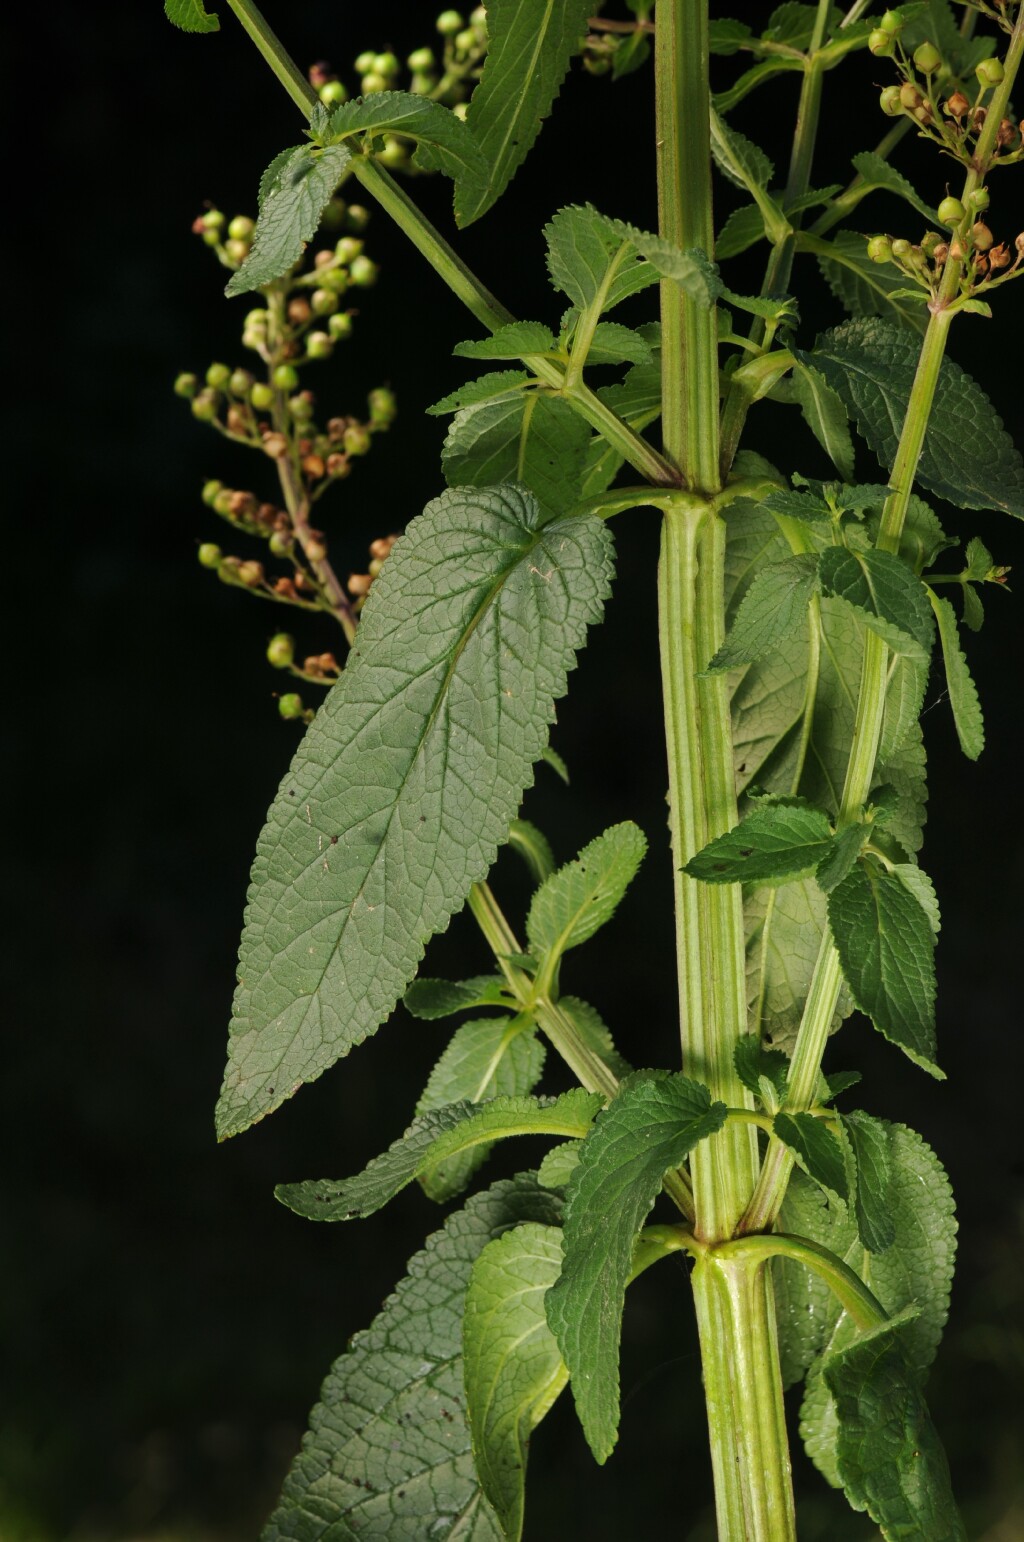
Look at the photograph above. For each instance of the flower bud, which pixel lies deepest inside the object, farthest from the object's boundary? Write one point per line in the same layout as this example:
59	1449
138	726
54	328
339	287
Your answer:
449	23
380	548
332	93
320	73
386	64
880	249
881	43
465	41
290	705
319	345
281	650
927	58
999	257
285	377
930	242
237	420
210	491
979	200
337	465
251	574
328	664
356	439
217	376
285	587
204	406
357	218
982	237
222	500
275	445
314	466
241	383
324	303
957	106
316	546
262	396
210	555
241	228
334	279
339	326
299	310
1019	244
989	72
421	61
373	83
363	272
383	407
358	584
238	251
940	253
951	211
302	406
347	248
900	249
910	96
890	102
186	385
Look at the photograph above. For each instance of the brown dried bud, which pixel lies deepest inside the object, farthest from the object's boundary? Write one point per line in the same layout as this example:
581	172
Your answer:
299	310
957	106
302	582
320	73
956	251
980	266
982	236
1006	133
313	466
910	96
328	664
323	258
311	665
923	114
336	429
267	515
358	584
285	588
275	445
198	225
241	505
978	117
381	546
251	573
337	465
315	546
940	253
1019	244
237	420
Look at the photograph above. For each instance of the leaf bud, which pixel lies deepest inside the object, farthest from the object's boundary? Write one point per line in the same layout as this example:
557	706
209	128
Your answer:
951	211
251	573
383	407
358	584
364	64
372	83
339	326
301	406
449	23
356	439
989	72
881	43
241	228
281	650
880	249
186	385
357	217
262	396
210	555
210	490
982	237
332	93
275	445
910	96
347	248
363	272
204	406
927	58
421	60
386	64
324	302
290	705
299	310
286	377
319	345
890	102
957	106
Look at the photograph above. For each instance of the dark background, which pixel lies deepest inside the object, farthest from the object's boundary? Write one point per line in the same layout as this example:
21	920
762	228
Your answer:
166	1323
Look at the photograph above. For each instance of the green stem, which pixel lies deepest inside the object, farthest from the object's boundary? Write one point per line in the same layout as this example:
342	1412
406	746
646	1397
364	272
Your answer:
276	55
847	1287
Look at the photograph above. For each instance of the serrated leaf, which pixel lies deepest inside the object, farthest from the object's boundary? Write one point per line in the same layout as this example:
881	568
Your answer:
191	16
388	1448
492	1057
873	1193
597	260
968	457
296	189
876	172
904	698
742	162
840	857
841	1081
637	399
817	1151
793	23
757	75
513	1370
528	54
500	382
615	344
726	36
825	416
558	1165
443	142
921	887
922	537
432	1138
978	559
554	760
974	610
753	1062
534	848
512	341
772	609
432	999
538	441
406	782
577	900
888	1456
653	1122
863	287
887	596
743	229
809	508
963	694
887	950
775	842
591	1027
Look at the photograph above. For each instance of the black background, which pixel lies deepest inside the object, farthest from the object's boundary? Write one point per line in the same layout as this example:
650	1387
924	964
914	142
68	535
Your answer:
167	1324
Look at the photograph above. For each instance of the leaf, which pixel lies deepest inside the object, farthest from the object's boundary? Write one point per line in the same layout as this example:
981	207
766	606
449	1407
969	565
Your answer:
443	142
538	441
968	457
743	229
575	902
888	1456
637	399
406	782
513	341
432	1138
886	595
742	162
878	173
974	609
817	1151
887	950
191	16
501	382
726	36
431	999
597	260
557	764
296	189
921	887
650	1126
491	1057
963	695
775	842
389	1441
559	1164
826	416
869	1139
864	287
773	608
591	1028
843	853
753	1061
809	508
616	344
528	54
922	537
513	1369
534	848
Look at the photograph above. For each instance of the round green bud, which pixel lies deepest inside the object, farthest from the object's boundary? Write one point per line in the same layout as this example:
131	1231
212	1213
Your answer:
979	200
334	214
281	650
989	72
210	490
217	376
332	93
448	23
290	705
286	377
204	406
262	396
339	326
211	237
891	22
373	83
281	544
383	407
237	250
363	272
889	101
347	248
241	228
881	43
386	64
221	500
240	384
301	408
394	152
880	249
186	385
900	248
357	218
319	345
364	64
951	211
324	302
209	555
927	58
213	219
465	41
422	85
929	241
334	279
356	439
421	61
256	320
917	258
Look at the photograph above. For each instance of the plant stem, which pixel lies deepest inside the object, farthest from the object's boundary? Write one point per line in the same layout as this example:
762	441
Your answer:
276	55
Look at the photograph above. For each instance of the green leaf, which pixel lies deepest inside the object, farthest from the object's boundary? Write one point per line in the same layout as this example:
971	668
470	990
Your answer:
389	1441
775	842
825	416
528	54
559	1164
637	399
922	537
513	341
554	760
742	162
534	848
513	1369
974	609
772	609
431	999
592	1029
743	229
757	75
538	441
616	344
296	189
577	900
877	173
968	457
888	1456
864	287
501	382
726	36
963	695
886	595
432	1138
753	1061
654	1121
921	887
817	1151
840	1082
190	16
841	856
492	1057
406	782
793	23
869	1139
443	142
597	260
809	508
887	950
